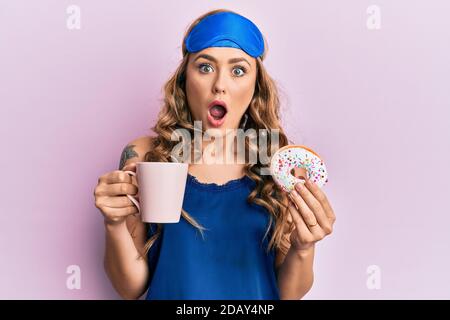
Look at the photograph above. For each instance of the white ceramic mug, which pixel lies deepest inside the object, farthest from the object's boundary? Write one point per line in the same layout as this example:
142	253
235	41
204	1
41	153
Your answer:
161	187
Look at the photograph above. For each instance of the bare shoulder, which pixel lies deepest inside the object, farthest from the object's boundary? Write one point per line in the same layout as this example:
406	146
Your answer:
135	150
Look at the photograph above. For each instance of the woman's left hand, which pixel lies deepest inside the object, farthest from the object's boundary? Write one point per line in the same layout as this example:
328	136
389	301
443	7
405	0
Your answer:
312	215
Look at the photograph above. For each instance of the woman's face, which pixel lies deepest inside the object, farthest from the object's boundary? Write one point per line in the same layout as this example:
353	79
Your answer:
221	74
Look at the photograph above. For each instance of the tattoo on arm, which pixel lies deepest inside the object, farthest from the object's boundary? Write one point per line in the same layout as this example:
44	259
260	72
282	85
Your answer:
127	153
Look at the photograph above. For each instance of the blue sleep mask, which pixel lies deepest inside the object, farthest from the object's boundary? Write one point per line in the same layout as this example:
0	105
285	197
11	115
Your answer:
226	29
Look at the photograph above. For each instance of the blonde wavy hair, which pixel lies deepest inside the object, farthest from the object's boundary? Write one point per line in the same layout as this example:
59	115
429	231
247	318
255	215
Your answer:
263	113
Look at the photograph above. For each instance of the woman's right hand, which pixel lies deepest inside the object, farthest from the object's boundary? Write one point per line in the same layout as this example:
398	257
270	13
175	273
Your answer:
110	195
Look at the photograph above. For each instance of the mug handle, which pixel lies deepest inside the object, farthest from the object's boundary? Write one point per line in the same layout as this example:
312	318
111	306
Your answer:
135	202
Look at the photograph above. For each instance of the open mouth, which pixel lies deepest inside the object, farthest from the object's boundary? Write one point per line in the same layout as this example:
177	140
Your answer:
217	112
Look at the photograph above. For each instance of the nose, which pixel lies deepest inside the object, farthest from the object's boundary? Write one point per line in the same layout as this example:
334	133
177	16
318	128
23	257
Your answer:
219	85
219	90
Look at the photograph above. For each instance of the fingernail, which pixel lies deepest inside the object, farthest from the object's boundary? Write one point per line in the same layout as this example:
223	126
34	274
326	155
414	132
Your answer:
299	186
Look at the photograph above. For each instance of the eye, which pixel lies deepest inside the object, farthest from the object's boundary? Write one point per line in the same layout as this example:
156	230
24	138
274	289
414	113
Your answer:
202	69
243	70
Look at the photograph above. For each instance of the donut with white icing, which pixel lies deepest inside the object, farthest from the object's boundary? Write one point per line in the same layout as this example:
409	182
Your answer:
286	159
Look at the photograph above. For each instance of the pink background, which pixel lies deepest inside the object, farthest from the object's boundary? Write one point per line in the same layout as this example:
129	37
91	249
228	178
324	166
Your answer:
373	103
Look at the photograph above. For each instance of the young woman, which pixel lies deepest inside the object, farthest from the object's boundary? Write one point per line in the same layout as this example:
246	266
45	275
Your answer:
240	235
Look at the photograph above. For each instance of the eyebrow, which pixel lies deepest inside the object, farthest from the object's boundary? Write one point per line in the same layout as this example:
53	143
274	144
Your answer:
232	60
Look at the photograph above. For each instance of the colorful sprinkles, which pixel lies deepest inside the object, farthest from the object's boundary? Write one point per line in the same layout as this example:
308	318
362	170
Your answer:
297	156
